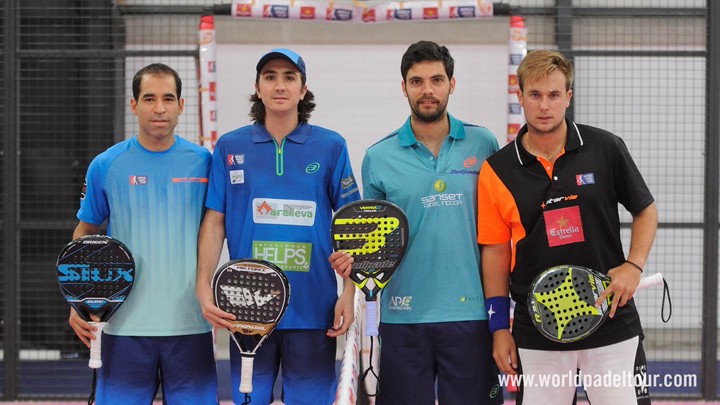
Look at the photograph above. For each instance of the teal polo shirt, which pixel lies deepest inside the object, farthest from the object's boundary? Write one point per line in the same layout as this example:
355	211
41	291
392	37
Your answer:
439	278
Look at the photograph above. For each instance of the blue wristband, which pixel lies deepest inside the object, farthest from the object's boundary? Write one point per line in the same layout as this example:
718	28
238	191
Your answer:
498	310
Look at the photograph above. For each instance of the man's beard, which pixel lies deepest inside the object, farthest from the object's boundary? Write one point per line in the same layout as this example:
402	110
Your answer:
429	117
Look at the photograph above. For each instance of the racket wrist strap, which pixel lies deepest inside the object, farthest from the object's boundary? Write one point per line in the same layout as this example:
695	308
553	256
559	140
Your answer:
634	265
498	311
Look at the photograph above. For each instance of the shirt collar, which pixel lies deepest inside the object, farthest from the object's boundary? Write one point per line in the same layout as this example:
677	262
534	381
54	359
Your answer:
574	141
298	135
407	138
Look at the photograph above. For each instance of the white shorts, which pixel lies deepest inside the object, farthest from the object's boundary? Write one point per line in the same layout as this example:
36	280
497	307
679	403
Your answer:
606	373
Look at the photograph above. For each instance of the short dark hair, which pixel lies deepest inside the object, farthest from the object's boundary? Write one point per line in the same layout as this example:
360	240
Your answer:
156	69
427	51
305	108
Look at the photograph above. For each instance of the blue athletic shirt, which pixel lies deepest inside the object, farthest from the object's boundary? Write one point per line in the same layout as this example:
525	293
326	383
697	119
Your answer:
278	202
439	278
153	202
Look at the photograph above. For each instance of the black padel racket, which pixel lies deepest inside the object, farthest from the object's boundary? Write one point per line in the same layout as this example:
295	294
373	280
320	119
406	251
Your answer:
375	233
95	274
257	293
562	301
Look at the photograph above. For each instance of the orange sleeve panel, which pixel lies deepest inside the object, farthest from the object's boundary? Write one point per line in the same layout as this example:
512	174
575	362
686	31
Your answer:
498	215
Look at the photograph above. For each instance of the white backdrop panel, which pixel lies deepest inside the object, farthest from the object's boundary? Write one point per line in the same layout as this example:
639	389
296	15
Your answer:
357	88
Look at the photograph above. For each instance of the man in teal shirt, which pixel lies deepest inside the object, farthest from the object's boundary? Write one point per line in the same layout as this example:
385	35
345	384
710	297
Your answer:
433	321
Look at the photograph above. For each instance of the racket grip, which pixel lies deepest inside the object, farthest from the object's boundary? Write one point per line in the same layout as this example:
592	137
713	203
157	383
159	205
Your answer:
96	345
371	323
651	281
246	373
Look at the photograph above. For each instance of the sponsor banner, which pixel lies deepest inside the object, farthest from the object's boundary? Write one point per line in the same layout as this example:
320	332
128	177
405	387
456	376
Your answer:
350	11
207	77
517	48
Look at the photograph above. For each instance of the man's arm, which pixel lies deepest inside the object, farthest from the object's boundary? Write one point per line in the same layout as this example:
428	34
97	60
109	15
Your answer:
625	278
210	242
83	330
83	229
496	283
344	310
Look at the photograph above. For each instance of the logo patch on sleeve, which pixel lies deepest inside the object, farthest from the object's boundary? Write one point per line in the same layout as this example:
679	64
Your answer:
347	182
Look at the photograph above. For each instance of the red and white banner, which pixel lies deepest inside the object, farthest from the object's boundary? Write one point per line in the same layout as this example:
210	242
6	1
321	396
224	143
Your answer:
517	47
349	11
207	80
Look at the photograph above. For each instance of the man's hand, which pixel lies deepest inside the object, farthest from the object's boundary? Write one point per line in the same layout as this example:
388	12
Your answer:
341	262
344	313
83	330
216	316
505	352
625	279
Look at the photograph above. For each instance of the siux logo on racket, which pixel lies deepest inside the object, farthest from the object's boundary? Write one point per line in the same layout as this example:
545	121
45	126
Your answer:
83	272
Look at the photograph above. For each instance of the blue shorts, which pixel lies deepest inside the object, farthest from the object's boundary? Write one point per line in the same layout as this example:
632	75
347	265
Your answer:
134	367
455	355
307	358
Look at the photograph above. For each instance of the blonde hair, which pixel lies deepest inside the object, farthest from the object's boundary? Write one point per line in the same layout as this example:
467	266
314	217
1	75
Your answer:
542	63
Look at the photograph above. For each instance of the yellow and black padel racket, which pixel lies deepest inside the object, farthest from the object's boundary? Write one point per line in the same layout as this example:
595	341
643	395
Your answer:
562	301
375	233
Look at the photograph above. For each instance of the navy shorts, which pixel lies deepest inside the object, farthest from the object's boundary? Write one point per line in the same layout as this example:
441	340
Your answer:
134	367
307	359
455	355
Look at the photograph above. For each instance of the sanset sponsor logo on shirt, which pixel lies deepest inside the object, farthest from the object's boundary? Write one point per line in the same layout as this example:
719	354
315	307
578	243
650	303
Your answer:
441	199
284	212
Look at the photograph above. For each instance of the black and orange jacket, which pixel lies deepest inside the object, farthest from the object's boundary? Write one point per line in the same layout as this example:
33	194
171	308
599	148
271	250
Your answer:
566	213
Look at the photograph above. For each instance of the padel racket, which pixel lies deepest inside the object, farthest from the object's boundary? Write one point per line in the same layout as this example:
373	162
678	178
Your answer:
562	301
375	233
257	293
95	274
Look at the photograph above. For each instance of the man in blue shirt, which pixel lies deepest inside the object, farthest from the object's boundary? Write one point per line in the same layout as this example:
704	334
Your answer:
433	322
150	189
273	188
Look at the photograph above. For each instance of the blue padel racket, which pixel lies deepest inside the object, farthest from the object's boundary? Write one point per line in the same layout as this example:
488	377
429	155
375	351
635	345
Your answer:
562	301
257	292
95	274
375	233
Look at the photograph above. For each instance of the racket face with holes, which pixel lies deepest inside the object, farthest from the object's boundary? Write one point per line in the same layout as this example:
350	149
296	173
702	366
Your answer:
375	233
562	302
257	292
95	274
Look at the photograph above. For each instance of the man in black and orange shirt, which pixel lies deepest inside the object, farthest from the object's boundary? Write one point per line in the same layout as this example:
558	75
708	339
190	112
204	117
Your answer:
550	198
